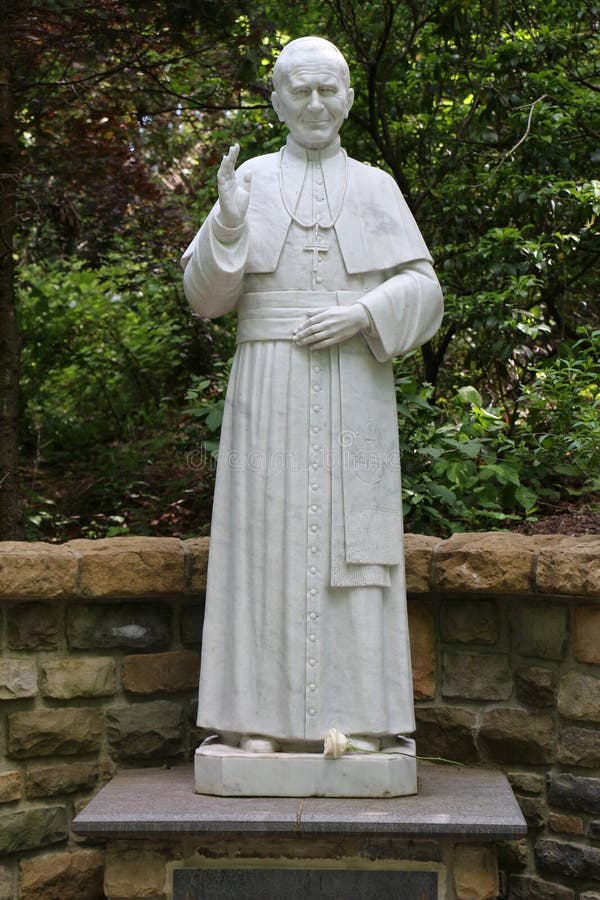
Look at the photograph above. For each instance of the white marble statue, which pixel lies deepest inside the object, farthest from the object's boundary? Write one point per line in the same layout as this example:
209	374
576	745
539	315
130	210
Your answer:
306	625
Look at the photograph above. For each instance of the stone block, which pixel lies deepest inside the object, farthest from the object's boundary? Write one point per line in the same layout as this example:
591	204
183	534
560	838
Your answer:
538	629
133	872
526	782
570	566
197	551
146	731
594	829
579	747
574	792
528	887
586	634
536	686
127	626
153	673
475	872
562	824
470	622
50	780
18	678
579	697
447	732
513	854
7	884
476	676
63	679
65	875
32	626
11	786
534	811
515	735
418	552
490	561
422	648
130	567
191	624
28	829
48	732
32	570
567	859
589	895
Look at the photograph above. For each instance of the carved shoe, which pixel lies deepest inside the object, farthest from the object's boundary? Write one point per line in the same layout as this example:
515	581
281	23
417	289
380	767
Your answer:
255	743
365	742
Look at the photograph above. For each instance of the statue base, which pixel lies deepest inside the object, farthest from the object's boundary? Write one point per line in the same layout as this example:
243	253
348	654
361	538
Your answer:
230	772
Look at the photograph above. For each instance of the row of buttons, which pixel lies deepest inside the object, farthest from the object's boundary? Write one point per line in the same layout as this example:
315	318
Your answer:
315	525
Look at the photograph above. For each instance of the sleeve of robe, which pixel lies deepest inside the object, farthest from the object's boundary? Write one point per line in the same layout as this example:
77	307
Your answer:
405	311
214	266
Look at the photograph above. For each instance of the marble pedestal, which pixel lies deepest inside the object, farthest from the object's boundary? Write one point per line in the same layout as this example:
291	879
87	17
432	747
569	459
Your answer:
230	772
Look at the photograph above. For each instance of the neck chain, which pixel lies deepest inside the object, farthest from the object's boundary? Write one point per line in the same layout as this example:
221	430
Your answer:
291	213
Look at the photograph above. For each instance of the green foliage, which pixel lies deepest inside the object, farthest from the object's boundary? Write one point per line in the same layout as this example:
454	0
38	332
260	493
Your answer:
467	467
100	349
461	470
560	411
105	360
486	115
207	403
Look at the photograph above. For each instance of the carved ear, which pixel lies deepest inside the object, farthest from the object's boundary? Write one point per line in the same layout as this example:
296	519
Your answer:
276	105
350	101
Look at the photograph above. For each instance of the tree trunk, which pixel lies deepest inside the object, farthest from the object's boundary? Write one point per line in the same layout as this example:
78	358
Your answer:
11	523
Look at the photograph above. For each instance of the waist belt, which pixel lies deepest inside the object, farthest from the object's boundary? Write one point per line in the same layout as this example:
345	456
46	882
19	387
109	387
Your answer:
366	528
274	315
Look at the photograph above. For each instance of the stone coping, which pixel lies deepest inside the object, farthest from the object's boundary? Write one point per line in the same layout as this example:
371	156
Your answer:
141	567
452	801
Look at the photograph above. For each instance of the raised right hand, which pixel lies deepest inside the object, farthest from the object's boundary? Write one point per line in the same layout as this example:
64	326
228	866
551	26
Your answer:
234	193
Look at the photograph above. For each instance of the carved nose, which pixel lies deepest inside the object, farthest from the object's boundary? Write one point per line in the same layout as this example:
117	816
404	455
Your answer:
315	100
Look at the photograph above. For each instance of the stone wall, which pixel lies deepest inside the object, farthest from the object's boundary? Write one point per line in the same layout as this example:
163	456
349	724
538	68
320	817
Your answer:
99	670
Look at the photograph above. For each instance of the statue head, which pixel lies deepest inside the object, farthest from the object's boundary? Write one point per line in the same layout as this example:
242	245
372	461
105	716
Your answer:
312	92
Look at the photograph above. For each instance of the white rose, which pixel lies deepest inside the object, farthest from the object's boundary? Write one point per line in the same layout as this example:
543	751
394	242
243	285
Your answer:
336	744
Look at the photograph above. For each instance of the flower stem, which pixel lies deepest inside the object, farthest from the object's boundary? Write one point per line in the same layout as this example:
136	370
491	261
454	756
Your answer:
437	759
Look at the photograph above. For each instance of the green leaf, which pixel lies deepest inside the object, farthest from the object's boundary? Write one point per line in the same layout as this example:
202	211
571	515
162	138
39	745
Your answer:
526	498
469	394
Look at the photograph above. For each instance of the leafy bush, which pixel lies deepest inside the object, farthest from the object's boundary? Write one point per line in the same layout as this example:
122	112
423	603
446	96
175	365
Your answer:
100	349
560	414
460	467
206	399
106	354
467	466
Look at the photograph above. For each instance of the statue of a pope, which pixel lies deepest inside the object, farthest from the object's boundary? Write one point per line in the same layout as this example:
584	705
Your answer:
306	625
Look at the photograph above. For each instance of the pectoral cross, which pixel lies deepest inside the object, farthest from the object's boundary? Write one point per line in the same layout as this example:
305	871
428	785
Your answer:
315	248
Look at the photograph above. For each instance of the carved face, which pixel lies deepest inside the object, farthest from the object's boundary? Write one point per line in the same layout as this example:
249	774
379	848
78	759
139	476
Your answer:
313	100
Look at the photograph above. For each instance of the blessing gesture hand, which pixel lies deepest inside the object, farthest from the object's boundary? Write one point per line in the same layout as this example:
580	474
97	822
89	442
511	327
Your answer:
234	193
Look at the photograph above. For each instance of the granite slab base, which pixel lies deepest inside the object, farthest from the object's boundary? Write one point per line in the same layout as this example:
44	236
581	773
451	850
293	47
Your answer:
224	771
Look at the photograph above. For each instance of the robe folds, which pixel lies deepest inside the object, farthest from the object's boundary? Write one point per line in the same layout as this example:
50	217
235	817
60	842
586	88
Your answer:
305	626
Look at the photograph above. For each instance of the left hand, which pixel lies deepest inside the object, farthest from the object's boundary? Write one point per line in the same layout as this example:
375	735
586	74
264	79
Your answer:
330	326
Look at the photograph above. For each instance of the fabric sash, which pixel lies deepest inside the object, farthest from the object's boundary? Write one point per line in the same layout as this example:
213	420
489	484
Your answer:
366	528
273	315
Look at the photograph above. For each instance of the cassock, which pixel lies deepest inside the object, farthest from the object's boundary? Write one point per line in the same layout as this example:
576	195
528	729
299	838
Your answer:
305	626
